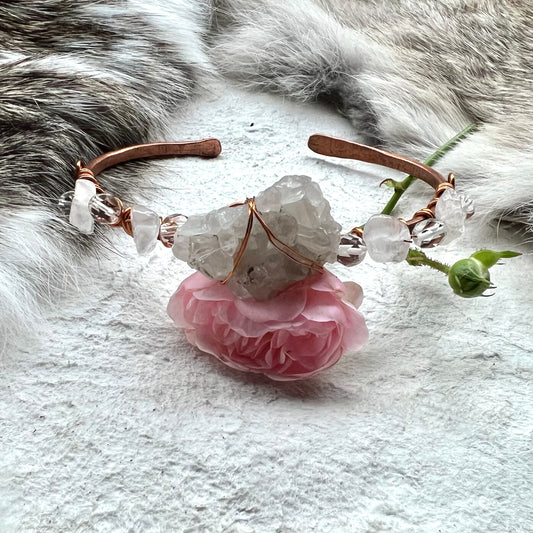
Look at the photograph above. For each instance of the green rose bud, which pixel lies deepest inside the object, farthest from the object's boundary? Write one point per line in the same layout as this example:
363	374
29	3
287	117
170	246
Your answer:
470	277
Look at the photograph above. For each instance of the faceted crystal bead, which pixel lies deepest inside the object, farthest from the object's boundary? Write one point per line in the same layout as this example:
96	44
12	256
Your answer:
79	210
145	226
169	226
428	233
449	209
65	201
352	250
387	239
105	208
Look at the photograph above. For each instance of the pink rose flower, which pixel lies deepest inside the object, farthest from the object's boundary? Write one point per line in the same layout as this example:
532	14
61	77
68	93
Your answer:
301	331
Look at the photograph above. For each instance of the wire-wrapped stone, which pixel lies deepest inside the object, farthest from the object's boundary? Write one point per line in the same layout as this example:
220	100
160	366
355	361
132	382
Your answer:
451	210
288	231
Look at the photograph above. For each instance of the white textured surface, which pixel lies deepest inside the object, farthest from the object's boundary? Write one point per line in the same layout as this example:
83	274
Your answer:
111	422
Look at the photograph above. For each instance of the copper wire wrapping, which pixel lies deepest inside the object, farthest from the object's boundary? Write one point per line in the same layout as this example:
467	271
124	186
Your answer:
439	191
87	174
124	219
357	231
285	249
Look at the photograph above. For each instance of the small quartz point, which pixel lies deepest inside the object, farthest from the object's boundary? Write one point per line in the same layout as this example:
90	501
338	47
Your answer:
387	239
105	208
295	211
79	209
450	210
468	206
145	226
352	250
428	233
169	226
64	202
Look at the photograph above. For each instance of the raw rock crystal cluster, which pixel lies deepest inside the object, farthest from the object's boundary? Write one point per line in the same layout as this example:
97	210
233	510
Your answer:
294	210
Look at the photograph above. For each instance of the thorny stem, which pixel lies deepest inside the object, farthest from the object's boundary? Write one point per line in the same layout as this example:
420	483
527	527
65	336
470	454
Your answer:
401	186
419	258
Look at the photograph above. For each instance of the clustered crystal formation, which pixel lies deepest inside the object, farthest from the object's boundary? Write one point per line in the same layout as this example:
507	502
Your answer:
295	211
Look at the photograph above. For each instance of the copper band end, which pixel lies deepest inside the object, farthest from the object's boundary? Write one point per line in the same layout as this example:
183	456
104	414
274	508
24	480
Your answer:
209	148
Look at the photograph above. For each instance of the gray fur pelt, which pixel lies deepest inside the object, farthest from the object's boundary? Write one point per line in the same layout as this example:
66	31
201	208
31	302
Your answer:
409	74
77	79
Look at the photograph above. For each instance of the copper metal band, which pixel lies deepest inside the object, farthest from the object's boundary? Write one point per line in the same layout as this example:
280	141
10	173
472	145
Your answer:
204	148
321	144
331	146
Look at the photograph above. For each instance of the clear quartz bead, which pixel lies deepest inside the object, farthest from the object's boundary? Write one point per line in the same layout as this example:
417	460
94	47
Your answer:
450	210
387	239
145	226
105	208
64	202
169	226
428	233
352	250
79	210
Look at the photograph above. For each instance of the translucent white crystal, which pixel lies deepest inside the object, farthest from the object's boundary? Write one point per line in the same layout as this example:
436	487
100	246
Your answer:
145	226
468	205
206	256
296	213
387	239
80	216
269	199
428	233
209	242
450	209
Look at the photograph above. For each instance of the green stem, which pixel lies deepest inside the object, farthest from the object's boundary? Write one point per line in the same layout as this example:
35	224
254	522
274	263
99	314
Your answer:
419	258
401	186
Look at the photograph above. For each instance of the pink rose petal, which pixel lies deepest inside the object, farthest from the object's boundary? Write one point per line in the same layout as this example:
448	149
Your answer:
301	331
323	307
353	294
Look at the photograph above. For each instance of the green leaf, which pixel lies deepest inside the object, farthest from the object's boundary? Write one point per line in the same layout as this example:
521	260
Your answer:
489	258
